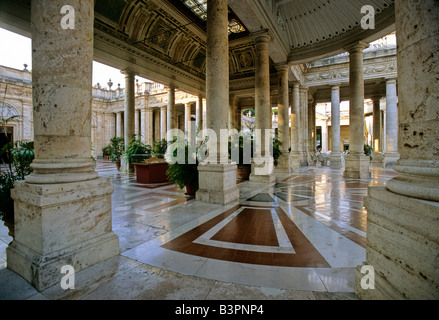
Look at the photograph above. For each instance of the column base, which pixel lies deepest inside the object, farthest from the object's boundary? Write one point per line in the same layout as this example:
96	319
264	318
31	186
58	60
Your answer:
283	164
417	179
377	157
60	224
217	183
262	170
125	165
296	161
390	159
357	167
336	161
402	247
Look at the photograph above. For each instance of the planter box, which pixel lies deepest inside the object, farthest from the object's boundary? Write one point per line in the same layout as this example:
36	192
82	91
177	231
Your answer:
152	171
243	172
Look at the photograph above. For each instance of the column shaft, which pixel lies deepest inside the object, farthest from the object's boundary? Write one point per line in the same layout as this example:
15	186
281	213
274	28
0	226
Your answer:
336	157
170	113
262	163
217	177
295	125
163	125
284	162
377	154
391	155
356	163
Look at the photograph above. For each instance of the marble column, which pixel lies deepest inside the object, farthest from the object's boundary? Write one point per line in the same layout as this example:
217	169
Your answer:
136	124
284	161
295	125
262	162
238	118
217	176
63	209
199	113
391	155
336	161
402	219
129	115
146	117
312	126
303	128
377	156
356	163
232	107
119	124
170	113
163	120
188	121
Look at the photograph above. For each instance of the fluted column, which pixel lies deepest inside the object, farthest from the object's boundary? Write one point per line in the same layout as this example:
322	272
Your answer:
119	124
402	228
232	107
304	125
163	120
356	163
136	123
391	155
295	125
336	157
63	209
188	121
217	176
377	154
199	113
129	116
146	117
262	162
170	113
284	162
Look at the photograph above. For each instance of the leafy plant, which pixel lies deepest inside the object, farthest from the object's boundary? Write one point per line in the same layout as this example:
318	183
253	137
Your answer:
116	148
186	173
368	150
159	148
137	150
21	156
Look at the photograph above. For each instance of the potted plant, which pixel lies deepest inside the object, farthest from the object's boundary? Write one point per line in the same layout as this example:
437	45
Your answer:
20	157
149	162
106	152
116	150
185	175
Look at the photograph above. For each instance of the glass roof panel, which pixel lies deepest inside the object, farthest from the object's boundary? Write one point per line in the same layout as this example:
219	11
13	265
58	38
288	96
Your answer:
199	7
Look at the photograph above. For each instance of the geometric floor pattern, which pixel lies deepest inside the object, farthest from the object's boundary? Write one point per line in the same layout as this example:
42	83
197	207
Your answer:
305	233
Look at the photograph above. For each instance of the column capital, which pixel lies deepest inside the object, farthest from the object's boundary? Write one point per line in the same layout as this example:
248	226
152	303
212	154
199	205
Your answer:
356	47
261	36
391	81
282	66
335	87
296	84
128	72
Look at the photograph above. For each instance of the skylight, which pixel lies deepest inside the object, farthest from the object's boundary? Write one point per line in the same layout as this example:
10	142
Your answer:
199	7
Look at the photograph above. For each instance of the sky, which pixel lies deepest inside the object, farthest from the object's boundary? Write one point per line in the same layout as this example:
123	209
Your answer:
16	51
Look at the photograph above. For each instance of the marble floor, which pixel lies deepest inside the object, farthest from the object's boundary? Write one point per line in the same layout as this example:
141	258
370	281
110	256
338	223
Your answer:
299	238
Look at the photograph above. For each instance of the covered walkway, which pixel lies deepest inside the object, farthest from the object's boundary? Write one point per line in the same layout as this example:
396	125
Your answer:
299	238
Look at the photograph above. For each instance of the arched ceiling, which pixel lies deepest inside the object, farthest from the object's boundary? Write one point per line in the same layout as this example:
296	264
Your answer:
165	40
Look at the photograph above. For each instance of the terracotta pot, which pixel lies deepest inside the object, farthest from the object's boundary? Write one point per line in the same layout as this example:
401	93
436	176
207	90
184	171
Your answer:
243	172
117	165
190	190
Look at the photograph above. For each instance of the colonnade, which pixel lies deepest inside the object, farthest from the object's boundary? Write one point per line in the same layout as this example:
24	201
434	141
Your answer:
51	232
